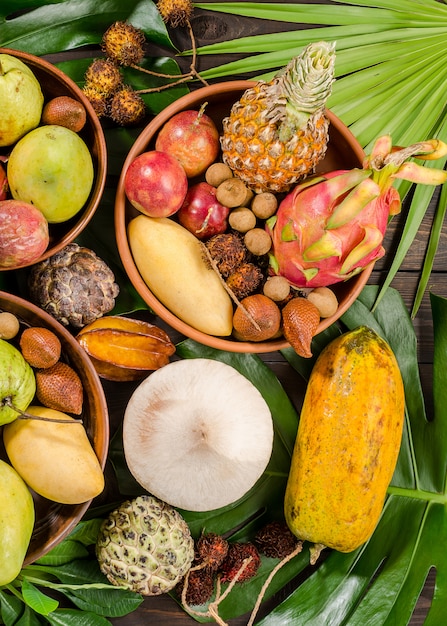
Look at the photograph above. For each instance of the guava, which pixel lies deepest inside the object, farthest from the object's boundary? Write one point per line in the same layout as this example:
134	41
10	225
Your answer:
52	168
17	382
21	100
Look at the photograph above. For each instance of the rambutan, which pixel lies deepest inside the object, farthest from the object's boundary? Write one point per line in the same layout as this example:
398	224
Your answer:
275	540
127	107
104	76
242	559
212	550
175	12
97	99
124	44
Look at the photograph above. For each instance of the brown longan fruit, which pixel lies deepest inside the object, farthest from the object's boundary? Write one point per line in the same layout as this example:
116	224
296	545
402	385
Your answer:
217	173
277	288
242	219
258	241
264	205
233	193
325	300
9	325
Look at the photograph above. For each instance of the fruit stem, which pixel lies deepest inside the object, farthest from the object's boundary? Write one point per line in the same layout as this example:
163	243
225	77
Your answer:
209	259
182	78
29	416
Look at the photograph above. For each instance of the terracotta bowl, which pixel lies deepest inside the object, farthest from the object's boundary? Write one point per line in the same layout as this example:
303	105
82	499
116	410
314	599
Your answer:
55	521
344	151
55	83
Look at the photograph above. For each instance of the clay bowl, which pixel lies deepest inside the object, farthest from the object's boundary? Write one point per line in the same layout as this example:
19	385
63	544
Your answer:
55	83
344	151
55	521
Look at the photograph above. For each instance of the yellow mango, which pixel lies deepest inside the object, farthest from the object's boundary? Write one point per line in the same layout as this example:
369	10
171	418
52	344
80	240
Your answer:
55	459
171	262
16	522
347	443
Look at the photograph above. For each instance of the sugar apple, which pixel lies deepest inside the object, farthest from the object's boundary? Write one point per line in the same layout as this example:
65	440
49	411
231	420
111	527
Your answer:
145	545
74	285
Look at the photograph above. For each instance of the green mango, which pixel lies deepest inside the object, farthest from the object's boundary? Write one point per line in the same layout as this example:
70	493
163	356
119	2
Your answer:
17	382
52	168
16	522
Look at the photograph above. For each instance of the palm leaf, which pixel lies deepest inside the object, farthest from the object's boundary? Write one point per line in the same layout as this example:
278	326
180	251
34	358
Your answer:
390	70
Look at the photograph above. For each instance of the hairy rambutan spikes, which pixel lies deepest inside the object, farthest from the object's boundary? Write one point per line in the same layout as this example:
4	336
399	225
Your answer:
175	12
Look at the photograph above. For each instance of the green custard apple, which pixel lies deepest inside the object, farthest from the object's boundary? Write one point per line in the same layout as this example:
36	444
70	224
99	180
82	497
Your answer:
52	168
17	382
21	100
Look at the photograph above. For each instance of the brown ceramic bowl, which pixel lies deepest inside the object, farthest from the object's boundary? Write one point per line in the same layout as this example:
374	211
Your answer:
344	151
55	83
55	521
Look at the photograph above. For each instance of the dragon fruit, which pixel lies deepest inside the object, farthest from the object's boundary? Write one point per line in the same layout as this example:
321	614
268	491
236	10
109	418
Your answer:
330	227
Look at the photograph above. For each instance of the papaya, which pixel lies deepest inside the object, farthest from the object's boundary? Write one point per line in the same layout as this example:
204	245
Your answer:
347	444
17	517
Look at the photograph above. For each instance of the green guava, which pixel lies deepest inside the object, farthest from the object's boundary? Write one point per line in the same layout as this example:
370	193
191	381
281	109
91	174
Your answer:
21	100
17	382
52	168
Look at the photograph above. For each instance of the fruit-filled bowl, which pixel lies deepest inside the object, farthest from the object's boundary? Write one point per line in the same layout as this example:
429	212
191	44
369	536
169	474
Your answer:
63	224
54	518
343	152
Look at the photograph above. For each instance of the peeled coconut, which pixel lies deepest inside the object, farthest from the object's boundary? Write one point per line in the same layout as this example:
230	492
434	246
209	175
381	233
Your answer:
197	434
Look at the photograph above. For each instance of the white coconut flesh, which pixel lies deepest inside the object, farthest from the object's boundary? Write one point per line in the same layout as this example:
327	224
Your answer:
197	434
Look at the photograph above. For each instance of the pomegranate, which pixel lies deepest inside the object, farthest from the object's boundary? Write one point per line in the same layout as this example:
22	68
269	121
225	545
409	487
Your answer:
201	213
155	183
192	137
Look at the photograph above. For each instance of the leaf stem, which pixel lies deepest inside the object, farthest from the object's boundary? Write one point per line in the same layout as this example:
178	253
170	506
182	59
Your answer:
419	494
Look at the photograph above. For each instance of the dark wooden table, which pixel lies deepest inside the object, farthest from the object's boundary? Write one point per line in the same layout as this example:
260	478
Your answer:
208	27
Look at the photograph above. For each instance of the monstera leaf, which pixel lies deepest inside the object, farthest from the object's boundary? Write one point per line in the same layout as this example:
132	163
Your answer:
379	583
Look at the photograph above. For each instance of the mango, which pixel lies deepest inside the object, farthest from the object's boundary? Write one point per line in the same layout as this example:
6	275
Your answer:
170	260
347	444
54	458
16	522
52	168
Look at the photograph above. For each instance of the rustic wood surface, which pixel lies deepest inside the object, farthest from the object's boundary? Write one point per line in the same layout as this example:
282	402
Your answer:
209	27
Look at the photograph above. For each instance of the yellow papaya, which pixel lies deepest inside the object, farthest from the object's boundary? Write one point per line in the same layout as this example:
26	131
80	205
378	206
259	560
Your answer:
347	443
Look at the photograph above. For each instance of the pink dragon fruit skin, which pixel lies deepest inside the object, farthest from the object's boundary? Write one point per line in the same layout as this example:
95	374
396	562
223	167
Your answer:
331	227
307	252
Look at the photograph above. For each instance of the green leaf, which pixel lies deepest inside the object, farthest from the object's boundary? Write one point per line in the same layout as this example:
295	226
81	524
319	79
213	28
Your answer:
73	617
11	607
45	28
36	600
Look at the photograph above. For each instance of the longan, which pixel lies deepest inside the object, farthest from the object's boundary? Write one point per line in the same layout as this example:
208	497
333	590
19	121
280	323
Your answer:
9	325
277	288
233	193
217	173
258	241
264	205
242	219
325	300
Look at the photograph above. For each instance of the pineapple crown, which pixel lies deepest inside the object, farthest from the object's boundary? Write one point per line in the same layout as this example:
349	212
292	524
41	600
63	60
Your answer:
303	87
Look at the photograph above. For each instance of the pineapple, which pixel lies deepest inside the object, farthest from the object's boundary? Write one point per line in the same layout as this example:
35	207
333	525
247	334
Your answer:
278	132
